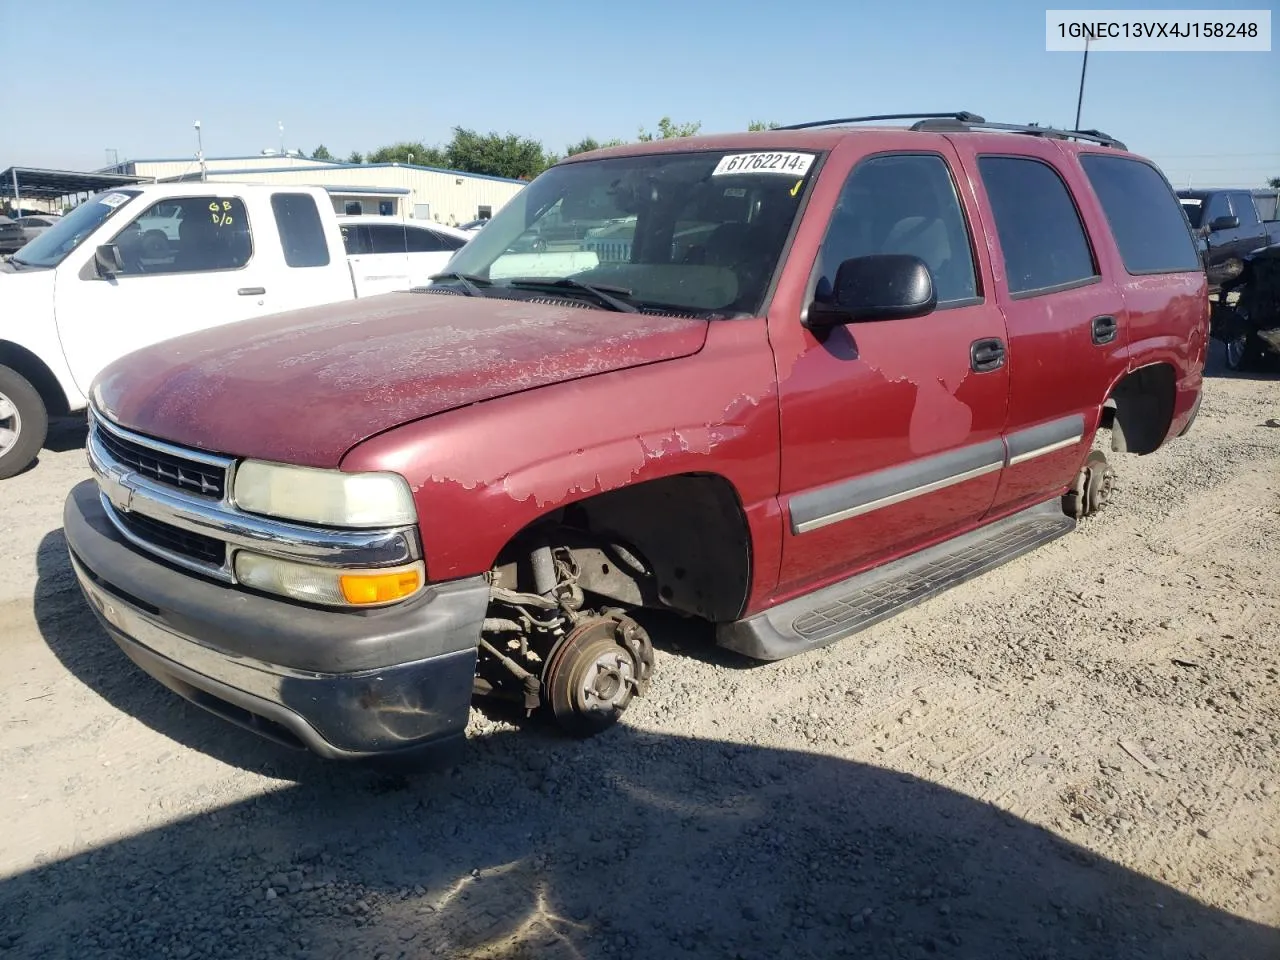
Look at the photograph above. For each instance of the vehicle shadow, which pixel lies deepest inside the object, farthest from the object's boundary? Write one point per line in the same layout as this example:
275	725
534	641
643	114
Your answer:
631	844
77	639
66	434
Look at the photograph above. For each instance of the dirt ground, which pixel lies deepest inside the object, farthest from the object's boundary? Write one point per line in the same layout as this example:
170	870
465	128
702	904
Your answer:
1077	755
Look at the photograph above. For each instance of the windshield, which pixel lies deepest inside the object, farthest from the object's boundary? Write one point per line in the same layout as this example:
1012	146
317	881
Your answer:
52	246
699	232
1193	208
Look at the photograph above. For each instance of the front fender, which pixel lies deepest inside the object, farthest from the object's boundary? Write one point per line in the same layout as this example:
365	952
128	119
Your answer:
29	332
483	473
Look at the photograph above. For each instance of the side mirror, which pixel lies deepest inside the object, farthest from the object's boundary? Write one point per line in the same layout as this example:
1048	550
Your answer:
107	261
1224	223
882	286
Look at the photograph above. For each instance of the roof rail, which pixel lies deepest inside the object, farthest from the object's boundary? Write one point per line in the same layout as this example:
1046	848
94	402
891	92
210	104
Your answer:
960	116
952	124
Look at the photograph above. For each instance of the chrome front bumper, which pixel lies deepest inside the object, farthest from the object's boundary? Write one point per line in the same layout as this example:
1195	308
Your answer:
342	684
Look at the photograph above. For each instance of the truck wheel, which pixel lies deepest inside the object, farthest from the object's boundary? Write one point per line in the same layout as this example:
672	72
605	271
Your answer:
1244	353
23	423
594	672
1092	489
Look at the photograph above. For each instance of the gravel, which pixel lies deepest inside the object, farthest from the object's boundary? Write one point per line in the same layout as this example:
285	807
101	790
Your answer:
1074	756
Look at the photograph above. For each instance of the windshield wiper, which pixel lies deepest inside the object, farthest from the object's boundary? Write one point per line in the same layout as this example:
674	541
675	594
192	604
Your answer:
604	293
469	282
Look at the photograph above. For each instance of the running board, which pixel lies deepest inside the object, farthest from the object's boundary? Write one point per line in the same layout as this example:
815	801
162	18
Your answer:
843	609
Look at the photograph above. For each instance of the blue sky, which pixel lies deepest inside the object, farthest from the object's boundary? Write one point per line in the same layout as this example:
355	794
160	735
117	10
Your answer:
357	76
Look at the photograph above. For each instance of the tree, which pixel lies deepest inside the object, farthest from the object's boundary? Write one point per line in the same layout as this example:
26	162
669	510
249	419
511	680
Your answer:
1274	182
321	153
409	151
670	131
755	126
356	157
494	154
587	144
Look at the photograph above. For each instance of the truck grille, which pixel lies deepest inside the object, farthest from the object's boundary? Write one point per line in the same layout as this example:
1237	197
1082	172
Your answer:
162	465
175	540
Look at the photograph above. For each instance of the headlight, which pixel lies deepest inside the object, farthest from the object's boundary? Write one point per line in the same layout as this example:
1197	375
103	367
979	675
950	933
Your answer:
326	497
334	586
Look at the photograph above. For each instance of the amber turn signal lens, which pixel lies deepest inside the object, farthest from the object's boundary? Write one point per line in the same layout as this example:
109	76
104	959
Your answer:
366	588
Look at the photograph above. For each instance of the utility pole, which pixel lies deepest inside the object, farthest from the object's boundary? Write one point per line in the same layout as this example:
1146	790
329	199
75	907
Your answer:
280	124
113	156
1083	67
200	153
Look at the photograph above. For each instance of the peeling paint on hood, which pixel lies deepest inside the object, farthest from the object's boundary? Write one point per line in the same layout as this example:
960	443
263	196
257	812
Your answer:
304	387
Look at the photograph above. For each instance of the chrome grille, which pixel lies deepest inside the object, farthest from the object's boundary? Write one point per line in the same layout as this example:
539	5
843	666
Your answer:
162	462
175	502
174	539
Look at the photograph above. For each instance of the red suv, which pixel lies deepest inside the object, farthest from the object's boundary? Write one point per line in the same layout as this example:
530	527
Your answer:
817	375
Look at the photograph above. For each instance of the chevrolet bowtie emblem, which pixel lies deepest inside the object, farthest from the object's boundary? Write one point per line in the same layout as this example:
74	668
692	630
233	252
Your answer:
120	493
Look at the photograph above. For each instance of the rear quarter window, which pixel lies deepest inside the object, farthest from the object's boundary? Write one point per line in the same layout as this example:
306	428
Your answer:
1142	211
301	232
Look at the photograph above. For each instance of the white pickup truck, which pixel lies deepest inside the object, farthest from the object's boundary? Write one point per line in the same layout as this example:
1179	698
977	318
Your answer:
137	265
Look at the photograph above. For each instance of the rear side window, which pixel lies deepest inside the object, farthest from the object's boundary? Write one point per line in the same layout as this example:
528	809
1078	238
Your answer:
301	233
387	239
1142	211
1040	232
421	240
1266	204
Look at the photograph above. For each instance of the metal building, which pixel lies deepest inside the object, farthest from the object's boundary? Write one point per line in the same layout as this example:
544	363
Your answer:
399	189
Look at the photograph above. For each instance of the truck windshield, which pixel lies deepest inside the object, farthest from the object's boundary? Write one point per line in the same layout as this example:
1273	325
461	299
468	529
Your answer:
53	246
1193	207
700	232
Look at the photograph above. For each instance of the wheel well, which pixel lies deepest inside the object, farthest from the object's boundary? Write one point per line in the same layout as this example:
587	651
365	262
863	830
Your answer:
1140	409
33	369
678	543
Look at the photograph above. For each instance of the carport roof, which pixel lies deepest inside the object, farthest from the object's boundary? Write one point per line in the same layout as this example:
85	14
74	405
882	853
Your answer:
36	184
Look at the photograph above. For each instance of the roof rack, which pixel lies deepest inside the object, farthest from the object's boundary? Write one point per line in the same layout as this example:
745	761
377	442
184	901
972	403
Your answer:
964	120
960	116
943	125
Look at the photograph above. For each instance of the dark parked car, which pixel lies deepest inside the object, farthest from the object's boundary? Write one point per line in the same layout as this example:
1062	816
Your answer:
1232	224
11	236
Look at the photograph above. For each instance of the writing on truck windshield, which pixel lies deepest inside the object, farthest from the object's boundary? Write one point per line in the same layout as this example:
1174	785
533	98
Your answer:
699	232
54	245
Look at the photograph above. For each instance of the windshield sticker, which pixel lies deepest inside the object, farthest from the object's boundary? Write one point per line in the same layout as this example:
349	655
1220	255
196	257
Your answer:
114	200
735	191
789	164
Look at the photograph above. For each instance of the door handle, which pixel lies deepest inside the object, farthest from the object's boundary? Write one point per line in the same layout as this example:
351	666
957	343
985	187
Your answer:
1103	329
251	291
986	355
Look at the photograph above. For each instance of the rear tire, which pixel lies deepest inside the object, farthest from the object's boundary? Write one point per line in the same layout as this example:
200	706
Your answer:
24	423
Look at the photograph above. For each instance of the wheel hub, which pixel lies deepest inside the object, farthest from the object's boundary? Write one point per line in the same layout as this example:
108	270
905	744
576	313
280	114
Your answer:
10	424
594	672
607	681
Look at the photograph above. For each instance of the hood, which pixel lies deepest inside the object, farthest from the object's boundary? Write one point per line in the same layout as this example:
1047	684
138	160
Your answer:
304	387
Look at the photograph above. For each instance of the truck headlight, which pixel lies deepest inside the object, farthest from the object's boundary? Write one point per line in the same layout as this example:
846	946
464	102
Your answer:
333	586
326	497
